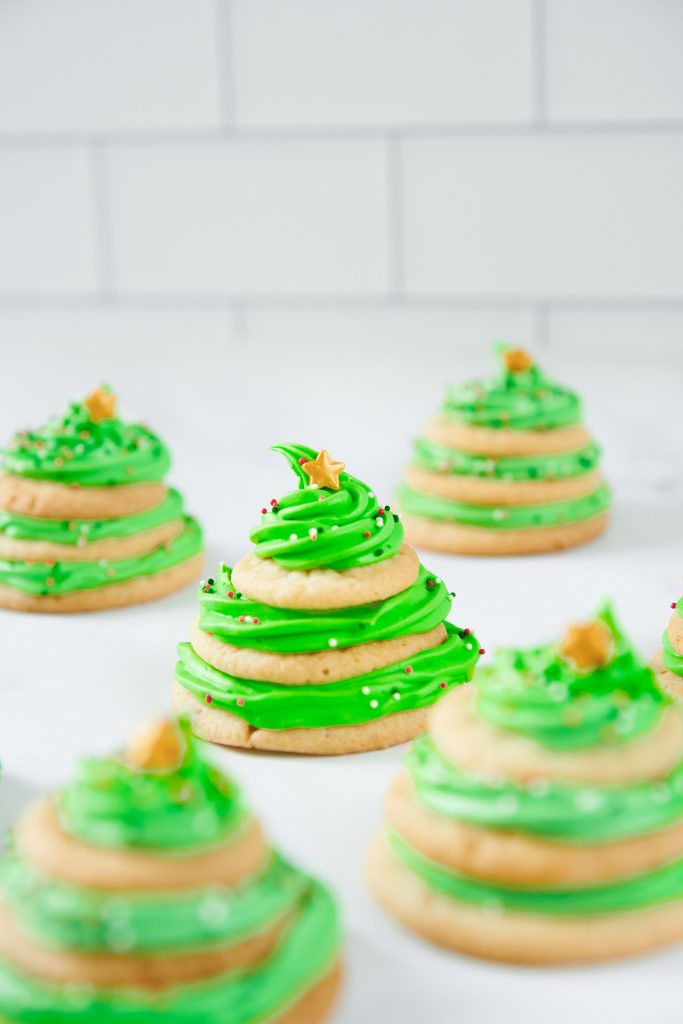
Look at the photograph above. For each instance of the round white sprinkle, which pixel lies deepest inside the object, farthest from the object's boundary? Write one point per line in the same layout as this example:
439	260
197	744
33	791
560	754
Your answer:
365	691
332	642
335	527
499	514
371	494
313	533
293	536
374	703
587	800
379	521
396	696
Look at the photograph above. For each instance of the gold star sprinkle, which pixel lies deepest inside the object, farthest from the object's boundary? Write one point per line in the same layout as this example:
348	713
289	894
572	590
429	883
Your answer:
588	645
159	748
324	471
101	405
517	360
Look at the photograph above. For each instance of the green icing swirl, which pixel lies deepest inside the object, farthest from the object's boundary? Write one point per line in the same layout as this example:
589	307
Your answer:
537	693
70	917
670	656
304	954
76	532
66	577
663	885
110	803
508	517
246	623
412	683
339	520
440	458
520	401
71	449
556	811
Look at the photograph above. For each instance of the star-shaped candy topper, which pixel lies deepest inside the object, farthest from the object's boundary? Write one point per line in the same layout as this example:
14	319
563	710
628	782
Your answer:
160	748
323	470
588	645
101	405
517	360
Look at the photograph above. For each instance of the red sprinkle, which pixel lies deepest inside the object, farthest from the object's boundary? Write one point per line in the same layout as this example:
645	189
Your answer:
408	669
366	533
240	701
430	583
206	589
231	593
443	685
302	460
381	512
255	620
273	502
482	650
242	619
466	632
673	604
208	698
263	511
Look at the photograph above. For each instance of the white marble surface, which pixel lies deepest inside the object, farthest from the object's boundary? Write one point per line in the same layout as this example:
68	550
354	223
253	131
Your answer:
77	684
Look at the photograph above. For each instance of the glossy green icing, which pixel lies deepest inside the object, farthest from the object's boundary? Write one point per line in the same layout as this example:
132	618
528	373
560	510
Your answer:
66	577
440	458
554	810
74	918
636	892
508	517
76	532
538	693
246	623
71	449
111	803
520	401
670	656
315	527
305	953
352	701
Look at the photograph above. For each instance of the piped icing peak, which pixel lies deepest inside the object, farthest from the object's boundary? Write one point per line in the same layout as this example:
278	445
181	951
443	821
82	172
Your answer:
88	445
591	691
519	397
161	793
333	519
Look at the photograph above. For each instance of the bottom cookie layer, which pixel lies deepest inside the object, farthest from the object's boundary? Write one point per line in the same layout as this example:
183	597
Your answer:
219	726
668	680
112	595
472	540
492	934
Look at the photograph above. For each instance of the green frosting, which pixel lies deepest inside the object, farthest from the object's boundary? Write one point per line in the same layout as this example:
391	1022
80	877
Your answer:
509	517
70	917
670	656
663	885
304	954
412	683
72	449
110	803
66	577
521	401
440	458
315	527
76	532
538	693
235	618
555	811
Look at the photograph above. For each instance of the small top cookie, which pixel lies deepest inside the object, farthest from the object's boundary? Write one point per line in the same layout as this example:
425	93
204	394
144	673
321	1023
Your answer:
519	397
90	446
332	521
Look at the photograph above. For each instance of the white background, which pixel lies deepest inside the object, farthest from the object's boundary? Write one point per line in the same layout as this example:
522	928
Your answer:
267	220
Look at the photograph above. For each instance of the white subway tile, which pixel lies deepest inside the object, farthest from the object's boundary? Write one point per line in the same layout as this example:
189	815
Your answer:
250	217
614	59
47	239
115	64
541	216
311	62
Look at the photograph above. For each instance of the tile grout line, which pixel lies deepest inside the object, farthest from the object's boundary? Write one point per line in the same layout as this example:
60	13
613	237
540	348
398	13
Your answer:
102	224
539	69
224	46
395	236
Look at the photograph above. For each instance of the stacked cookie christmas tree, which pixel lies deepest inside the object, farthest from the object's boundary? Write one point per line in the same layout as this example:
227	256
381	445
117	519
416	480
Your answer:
86	521
330	636
668	664
146	890
541	821
507	468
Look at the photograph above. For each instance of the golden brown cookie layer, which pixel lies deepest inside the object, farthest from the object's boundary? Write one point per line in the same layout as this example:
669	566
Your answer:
219	726
473	745
476	540
513	858
668	680
316	1004
47	500
476	491
318	667
113	595
264	580
484	441
515	938
42	841
111	549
